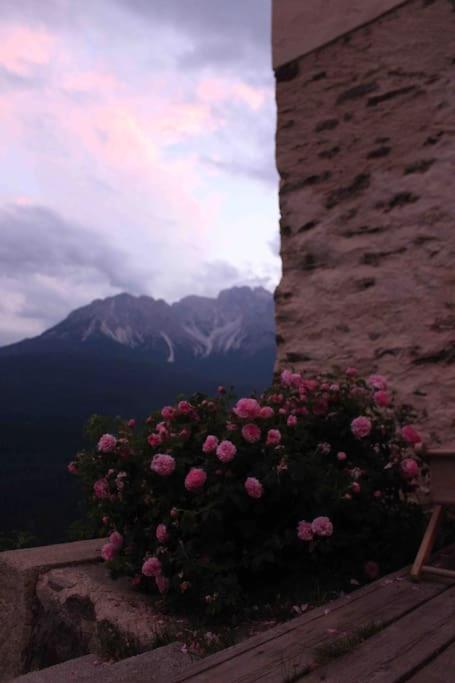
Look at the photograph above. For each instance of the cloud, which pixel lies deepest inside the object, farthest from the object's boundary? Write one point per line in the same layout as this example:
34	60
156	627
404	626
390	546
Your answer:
37	241
222	34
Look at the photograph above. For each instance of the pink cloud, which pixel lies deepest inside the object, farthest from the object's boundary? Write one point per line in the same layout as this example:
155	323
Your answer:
22	48
218	90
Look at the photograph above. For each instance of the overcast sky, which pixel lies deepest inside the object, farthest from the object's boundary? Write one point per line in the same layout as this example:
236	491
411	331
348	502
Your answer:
136	151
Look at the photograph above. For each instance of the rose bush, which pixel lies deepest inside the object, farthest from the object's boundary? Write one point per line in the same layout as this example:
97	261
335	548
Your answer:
208	498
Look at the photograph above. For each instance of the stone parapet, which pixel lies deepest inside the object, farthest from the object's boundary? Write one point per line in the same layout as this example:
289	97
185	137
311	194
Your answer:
20	571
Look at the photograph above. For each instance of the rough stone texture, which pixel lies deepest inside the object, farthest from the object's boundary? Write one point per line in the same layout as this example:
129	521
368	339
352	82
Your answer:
299	27
82	610
366	154
19	572
158	666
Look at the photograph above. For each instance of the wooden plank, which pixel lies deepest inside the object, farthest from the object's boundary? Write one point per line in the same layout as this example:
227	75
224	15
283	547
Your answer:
439	670
427	542
401	649
290	651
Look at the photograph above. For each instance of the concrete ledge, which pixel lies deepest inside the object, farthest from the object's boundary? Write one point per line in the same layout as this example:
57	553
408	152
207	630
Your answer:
19	573
156	666
300	26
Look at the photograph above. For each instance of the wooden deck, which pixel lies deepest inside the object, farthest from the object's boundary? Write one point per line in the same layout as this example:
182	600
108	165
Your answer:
411	637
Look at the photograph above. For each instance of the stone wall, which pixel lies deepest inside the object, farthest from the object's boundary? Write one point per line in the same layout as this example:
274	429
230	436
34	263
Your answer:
365	149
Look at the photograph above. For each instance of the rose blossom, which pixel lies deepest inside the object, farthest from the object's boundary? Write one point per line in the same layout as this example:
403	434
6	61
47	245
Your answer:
151	567
291	421
351	372
210	444
377	494
410	435
377	382
101	488
108	552
305	531
371	570
154	440
195	479
251	432
72	468
226	451
184	408
107	443
161	533
273	437
355	487
162	583
116	539
231	426
382	398
286	377
221	389
409	468
131	423
266	412
163	464
361	427
254	487
247	408
168	412
322	526
341	456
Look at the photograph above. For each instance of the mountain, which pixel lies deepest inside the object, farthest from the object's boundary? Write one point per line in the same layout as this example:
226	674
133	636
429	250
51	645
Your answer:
123	355
110	355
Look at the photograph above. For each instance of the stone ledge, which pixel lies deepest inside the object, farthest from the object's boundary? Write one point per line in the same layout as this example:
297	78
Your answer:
156	666
19	573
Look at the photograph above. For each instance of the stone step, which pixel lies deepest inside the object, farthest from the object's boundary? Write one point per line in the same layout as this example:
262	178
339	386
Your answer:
156	666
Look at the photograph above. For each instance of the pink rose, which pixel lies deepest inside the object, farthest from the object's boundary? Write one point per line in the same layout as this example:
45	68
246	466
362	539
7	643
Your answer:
320	407
351	372
151	567
247	408
382	398
355	487
273	437
131	423
161	533
72	468
253	487
174	513
377	494
210	444
108	552
195	479
221	389
162	583
377	382
231	426
411	435
116	540
291	421
341	456
361	427
409	468
371	570
184	408
309	384
226	451
168	412
286	377
163	464
322	526
107	443
266	413
154	440
184	434
305	531
101	489
251	432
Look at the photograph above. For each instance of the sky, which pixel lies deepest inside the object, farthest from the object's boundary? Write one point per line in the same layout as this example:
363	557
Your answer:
136	153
